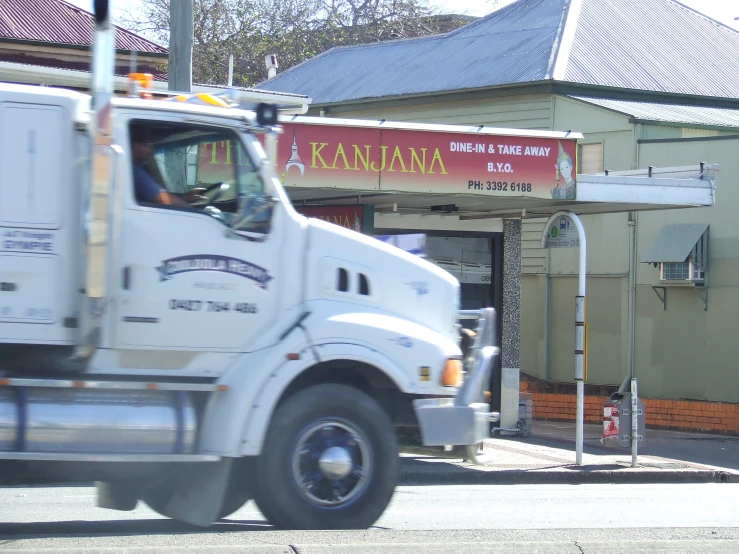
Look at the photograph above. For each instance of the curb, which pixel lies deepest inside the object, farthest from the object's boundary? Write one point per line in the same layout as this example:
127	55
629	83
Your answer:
572	477
60	485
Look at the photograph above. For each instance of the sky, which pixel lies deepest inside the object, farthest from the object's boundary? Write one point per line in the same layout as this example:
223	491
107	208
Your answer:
722	10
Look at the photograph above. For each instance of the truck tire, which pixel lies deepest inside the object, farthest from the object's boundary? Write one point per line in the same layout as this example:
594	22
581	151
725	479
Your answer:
329	461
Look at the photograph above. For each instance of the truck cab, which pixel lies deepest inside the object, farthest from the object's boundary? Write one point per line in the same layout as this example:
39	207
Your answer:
173	329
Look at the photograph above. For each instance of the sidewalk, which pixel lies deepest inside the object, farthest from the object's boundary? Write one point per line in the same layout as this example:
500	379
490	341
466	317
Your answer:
548	456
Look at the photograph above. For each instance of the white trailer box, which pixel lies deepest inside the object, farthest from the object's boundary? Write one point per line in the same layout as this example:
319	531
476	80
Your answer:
41	131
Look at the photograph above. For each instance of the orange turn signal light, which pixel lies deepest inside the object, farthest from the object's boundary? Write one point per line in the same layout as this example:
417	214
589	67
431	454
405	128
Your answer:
451	376
143	81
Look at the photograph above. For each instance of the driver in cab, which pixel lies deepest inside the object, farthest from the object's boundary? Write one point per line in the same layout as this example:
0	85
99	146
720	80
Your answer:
146	188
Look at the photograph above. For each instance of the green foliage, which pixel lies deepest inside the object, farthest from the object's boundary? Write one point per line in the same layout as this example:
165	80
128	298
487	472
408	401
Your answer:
294	30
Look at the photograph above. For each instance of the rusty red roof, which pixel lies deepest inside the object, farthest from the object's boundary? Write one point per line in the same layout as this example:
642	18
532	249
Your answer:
63	23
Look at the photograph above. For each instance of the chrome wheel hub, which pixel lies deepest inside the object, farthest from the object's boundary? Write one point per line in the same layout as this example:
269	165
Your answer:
331	462
335	463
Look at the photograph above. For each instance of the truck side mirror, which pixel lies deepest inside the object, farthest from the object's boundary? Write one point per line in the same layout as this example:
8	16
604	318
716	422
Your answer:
259	205
267	114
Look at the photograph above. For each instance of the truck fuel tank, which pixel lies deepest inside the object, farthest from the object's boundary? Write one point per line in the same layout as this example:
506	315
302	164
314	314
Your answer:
89	421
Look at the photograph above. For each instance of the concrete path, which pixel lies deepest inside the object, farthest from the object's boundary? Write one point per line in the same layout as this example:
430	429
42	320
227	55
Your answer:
548	456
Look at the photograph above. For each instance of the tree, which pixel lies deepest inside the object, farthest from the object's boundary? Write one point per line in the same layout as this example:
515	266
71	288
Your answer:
218	25
294	30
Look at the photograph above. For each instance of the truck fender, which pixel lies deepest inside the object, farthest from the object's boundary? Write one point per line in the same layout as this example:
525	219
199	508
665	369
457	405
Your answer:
260	414
225	413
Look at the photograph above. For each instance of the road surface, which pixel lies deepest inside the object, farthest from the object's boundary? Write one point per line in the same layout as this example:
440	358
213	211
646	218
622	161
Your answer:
432	519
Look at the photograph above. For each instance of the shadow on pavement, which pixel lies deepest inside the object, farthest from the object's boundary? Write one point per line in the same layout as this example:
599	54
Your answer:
417	465
426	472
695	448
124	527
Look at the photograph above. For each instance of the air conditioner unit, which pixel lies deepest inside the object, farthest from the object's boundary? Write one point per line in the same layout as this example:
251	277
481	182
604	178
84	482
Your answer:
681	272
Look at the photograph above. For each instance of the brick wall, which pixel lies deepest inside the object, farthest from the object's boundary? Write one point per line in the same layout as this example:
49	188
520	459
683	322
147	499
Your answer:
555	402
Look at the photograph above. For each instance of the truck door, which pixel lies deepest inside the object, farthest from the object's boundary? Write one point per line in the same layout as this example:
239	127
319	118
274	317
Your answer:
187	281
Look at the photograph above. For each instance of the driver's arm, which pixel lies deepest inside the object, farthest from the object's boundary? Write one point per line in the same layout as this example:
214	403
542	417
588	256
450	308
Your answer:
169	199
148	190
192	196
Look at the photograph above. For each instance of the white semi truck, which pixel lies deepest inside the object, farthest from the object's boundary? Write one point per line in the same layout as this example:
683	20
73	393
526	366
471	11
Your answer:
194	350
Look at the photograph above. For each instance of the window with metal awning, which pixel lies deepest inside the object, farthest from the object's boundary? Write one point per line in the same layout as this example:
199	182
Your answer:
681	253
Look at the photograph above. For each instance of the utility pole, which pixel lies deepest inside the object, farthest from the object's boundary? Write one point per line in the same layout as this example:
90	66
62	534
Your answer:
180	76
180	45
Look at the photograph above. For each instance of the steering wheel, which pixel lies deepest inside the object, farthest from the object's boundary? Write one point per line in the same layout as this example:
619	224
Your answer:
220	189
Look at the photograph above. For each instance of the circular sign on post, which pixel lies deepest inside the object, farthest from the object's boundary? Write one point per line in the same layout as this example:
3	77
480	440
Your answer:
562	234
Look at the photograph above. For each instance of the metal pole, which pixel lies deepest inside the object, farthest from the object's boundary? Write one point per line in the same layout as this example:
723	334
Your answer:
632	293
180	46
634	422
230	70
579	325
580	340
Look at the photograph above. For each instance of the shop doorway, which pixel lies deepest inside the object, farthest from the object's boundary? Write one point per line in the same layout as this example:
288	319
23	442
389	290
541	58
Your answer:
476	260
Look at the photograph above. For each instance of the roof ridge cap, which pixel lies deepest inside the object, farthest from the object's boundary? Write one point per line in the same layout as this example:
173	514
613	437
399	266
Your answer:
704	16
565	38
482	19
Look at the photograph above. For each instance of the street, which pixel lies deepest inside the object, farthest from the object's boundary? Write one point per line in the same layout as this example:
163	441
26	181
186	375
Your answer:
517	518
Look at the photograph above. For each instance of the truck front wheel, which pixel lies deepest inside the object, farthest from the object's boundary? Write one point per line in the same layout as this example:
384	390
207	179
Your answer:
329	461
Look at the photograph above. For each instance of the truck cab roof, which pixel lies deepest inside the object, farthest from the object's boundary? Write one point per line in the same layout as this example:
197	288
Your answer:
79	104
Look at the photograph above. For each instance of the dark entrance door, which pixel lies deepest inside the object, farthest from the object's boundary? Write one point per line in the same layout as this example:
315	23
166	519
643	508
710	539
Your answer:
476	260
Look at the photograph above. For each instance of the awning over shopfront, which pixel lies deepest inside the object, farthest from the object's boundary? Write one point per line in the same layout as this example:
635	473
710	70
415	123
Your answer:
467	173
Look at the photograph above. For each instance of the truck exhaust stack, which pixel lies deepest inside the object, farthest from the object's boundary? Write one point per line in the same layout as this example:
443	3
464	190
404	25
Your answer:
97	199
103	56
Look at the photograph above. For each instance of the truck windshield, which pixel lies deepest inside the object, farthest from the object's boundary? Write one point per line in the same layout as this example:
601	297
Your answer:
204	168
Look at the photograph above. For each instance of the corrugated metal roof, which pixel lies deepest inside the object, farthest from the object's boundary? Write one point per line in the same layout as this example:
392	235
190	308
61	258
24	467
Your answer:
669	113
63	23
655	45
652	45
39	61
674	243
512	46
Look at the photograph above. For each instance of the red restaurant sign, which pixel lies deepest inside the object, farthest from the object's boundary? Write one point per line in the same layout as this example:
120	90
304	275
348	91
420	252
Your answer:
344	216
368	158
